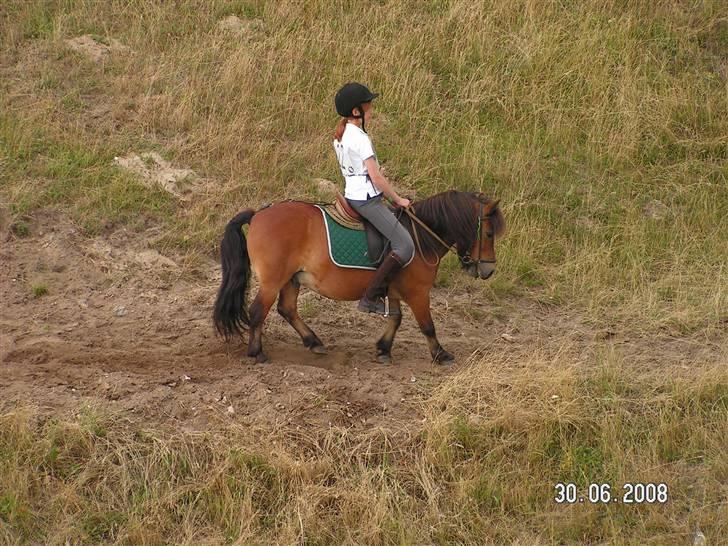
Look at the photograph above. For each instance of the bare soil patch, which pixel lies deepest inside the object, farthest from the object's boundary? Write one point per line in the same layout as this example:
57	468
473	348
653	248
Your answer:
123	326
153	170
94	48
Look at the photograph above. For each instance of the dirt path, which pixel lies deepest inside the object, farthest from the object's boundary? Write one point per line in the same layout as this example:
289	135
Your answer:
120	327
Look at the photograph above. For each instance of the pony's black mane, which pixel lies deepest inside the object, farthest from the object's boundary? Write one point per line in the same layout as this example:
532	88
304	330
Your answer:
453	216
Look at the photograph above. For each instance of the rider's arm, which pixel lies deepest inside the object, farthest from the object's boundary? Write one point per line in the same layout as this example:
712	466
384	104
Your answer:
381	182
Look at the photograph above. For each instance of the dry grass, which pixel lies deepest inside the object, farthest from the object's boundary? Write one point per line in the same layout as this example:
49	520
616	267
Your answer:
577	115
481	469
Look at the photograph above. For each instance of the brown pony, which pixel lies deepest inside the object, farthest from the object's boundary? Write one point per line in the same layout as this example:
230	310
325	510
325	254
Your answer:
287	249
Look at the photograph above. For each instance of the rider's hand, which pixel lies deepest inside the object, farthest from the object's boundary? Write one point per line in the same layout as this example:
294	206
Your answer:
402	202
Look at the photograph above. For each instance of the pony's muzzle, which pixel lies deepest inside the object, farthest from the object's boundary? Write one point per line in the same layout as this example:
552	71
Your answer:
483	270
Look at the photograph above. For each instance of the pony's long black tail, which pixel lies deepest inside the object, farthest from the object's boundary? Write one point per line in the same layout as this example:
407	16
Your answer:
231	312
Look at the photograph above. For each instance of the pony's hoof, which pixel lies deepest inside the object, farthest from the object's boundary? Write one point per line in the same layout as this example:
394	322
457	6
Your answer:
319	350
261	358
384	359
444	358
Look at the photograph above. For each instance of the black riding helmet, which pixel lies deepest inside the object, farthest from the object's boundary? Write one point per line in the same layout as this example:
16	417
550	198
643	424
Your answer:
353	95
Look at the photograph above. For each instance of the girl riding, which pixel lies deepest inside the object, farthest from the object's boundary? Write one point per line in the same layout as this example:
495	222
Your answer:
365	186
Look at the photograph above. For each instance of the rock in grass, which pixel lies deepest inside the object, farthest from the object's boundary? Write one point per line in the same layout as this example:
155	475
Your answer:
234	25
655	210
326	188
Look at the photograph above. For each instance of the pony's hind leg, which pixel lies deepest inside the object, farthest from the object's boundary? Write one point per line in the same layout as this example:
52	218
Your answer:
288	309
258	312
384	345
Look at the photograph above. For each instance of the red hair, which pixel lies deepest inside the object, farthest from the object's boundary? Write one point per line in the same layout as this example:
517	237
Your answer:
339	132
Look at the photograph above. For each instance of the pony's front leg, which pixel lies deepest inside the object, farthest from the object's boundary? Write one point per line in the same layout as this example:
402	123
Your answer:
384	345
420	306
258	311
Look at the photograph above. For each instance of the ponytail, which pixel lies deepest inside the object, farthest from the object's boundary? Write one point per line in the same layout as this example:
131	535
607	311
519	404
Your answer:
340	129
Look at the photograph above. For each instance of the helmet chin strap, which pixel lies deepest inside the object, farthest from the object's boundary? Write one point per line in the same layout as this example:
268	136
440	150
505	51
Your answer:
360	116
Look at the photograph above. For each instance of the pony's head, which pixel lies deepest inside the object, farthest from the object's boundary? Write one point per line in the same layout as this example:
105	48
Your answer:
470	221
479	259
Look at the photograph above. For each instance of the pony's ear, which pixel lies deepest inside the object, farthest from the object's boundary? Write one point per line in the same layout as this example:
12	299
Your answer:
491	207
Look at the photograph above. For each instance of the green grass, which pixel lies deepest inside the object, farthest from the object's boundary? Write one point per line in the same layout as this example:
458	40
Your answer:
39	290
44	172
20	228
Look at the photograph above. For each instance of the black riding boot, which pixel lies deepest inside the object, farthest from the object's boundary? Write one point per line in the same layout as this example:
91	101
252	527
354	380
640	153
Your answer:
373	299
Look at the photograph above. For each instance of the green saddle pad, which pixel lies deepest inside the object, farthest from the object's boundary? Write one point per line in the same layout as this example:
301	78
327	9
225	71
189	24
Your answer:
347	247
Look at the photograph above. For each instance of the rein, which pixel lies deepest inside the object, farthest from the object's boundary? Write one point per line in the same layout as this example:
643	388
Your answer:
424	226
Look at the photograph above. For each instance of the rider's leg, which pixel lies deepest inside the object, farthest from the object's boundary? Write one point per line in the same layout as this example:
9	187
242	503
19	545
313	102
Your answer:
403	250
372	300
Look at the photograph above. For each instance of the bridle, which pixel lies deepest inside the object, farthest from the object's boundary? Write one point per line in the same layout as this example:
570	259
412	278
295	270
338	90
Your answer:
465	259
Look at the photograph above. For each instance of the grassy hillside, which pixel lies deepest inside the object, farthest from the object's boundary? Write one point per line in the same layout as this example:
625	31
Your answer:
601	126
576	115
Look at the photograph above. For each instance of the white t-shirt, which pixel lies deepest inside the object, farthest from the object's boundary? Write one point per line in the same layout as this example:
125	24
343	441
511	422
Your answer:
354	148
